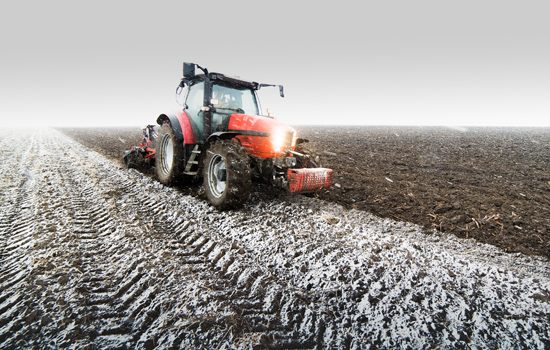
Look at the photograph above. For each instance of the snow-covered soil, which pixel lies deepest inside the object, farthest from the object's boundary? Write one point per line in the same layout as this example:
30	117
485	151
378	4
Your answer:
93	255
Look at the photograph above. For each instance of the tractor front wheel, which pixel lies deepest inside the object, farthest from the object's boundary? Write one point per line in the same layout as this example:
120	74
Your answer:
169	156
227	174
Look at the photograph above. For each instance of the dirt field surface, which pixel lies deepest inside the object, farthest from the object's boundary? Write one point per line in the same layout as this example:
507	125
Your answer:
490	184
96	256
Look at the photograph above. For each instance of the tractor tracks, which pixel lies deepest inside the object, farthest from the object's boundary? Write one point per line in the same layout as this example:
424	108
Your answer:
119	260
97	256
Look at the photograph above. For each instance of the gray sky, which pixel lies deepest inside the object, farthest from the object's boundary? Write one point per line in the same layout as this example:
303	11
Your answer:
105	63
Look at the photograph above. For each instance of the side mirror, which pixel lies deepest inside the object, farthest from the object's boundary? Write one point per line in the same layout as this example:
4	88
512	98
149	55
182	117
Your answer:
281	92
188	70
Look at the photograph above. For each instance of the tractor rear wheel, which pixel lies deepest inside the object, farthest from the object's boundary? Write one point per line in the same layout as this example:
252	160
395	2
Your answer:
169	157
227	174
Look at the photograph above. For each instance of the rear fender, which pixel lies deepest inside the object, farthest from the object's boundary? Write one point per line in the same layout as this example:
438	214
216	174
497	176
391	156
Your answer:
181	126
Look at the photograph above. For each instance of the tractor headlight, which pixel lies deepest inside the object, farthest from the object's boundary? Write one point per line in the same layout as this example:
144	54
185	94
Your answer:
278	139
281	138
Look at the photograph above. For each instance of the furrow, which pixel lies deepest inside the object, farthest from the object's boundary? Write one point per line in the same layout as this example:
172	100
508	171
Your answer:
15	276
8	305
141	301
9	329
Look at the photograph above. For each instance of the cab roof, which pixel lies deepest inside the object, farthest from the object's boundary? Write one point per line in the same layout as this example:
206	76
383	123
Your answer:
222	77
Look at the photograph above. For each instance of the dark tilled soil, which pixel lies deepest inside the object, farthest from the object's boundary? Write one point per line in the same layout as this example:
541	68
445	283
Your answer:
490	184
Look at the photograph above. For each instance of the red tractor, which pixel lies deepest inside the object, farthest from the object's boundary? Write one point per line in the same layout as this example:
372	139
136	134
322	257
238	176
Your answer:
220	134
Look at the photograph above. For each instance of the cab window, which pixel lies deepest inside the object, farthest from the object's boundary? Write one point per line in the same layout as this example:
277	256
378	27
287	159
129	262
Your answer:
233	98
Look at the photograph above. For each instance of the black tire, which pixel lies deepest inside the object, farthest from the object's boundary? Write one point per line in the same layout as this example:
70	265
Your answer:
227	174
169	159
310	158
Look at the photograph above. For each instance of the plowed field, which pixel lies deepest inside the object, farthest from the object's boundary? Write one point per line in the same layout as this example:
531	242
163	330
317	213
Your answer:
93	255
490	184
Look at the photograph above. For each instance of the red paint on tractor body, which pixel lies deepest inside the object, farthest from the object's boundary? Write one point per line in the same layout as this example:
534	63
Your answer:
186	130
259	132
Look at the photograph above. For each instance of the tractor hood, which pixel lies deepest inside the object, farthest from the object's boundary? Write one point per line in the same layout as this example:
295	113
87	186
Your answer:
263	136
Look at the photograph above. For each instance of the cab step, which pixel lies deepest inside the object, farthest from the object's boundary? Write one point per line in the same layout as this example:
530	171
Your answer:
192	167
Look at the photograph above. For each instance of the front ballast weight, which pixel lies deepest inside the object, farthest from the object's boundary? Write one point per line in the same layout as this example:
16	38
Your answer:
308	180
289	173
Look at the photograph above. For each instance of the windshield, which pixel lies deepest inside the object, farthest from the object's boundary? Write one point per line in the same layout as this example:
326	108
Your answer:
234	97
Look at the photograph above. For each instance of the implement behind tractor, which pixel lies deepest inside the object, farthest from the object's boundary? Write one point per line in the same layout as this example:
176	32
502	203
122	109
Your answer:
221	135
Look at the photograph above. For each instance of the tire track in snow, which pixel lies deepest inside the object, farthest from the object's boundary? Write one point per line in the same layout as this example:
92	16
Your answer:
101	281
126	293
17	230
200	249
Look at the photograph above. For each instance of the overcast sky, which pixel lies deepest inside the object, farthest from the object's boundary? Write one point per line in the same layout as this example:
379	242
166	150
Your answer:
117	63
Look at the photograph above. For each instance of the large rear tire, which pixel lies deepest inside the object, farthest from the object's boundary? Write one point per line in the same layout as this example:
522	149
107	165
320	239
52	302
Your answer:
169	157
227	174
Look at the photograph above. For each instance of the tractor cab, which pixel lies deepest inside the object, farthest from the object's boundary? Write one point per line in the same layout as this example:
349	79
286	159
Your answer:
213	102
210	99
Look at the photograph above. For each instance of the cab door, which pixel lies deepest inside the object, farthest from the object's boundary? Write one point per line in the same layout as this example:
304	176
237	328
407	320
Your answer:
193	106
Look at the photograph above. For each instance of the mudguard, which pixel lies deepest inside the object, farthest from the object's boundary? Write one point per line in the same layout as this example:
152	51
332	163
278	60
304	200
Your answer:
220	135
181	126
224	135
